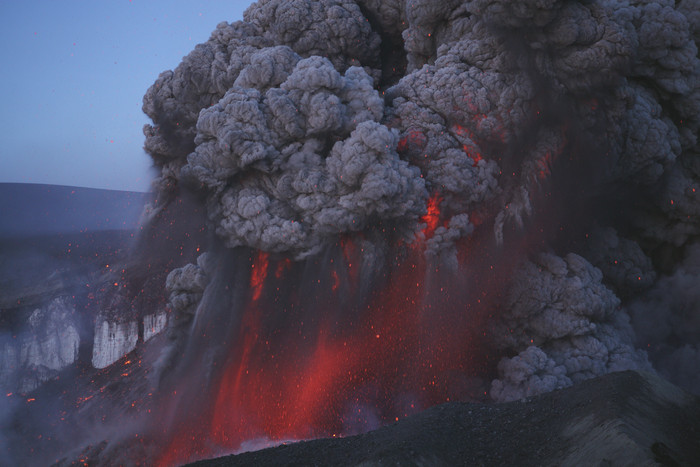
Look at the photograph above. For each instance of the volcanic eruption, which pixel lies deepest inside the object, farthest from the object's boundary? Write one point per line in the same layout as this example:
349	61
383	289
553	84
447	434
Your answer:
410	202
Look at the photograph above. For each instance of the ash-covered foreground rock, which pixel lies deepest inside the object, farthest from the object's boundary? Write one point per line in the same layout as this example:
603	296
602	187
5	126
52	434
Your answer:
625	418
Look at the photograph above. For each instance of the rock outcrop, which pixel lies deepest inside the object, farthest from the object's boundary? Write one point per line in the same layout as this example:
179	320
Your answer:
112	341
60	306
46	343
154	324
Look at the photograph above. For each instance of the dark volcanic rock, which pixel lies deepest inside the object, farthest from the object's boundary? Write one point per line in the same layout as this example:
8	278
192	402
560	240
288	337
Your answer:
625	418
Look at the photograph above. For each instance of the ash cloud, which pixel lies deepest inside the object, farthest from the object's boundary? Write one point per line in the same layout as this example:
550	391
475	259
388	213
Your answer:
294	130
666	321
303	144
566	327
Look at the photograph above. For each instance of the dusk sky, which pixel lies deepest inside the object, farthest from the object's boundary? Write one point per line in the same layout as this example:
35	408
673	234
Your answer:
74	75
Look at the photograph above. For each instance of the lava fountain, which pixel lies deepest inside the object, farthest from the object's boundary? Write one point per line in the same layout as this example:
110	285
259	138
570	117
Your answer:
335	345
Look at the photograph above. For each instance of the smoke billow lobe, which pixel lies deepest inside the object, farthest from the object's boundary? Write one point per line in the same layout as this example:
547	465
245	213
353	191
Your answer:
298	129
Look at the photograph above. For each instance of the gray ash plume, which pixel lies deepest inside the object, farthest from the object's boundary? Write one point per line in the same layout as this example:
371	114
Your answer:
295	137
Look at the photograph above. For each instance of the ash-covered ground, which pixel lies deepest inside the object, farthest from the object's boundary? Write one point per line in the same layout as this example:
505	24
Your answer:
364	209
624	418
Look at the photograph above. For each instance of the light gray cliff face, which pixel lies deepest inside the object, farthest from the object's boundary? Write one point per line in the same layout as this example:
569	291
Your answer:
154	324
54	341
113	340
49	341
45	344
44	332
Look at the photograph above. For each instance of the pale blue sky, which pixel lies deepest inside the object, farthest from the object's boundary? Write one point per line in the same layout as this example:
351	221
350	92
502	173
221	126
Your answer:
74	73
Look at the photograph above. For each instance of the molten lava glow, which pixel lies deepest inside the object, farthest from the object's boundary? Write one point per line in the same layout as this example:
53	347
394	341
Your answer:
352	256
336	280
413	138
308	366
545	165
282	266
259	273
461	131
476	157
431	218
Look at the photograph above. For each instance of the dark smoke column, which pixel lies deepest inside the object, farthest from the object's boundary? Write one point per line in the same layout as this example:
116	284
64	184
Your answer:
539	156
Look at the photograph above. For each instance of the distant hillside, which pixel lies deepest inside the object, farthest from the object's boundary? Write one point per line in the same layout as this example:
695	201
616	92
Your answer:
35	209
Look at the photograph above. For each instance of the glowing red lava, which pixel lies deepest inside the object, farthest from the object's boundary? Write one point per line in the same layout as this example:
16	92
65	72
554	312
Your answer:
413	138
259	273
431	219
298	368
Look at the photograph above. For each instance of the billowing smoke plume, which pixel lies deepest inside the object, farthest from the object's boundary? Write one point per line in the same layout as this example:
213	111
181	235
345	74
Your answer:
569	324
407	198
310	120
